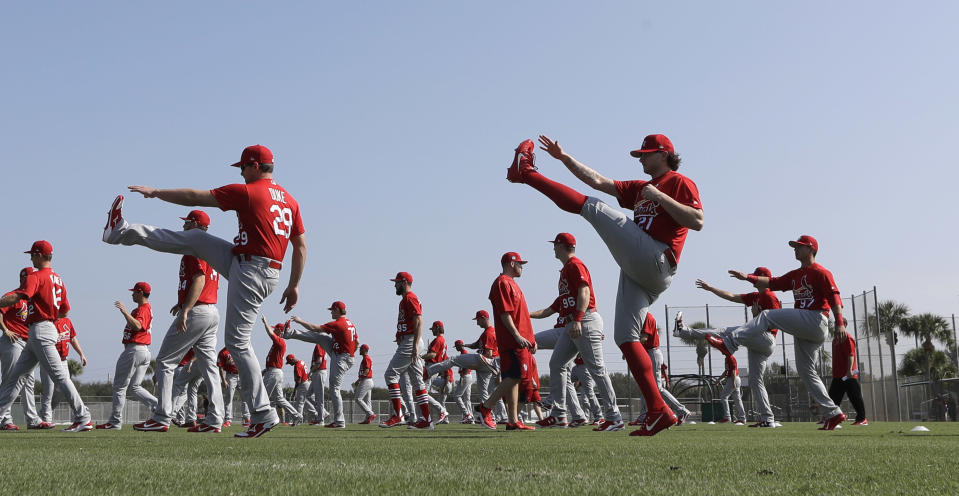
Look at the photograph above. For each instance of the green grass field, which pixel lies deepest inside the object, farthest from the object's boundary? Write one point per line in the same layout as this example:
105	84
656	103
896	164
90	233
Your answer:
883	458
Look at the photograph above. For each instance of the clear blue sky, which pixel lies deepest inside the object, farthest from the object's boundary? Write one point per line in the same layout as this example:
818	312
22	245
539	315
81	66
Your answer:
393	122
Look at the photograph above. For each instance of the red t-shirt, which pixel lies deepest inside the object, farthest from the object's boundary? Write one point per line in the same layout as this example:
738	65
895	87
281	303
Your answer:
487	341
15	318
366	367
463	370
410	307
190	267
187	358
649	329
144	315
841	350
299	372
319	357
275	357
732	368
47	295
813	287
507	297
65	332
225	362
437	346
573	276
650	216
268	217
344	335
765	300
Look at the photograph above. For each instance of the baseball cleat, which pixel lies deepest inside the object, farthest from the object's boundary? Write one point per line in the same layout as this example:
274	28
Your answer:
297	421
257	430
444	418
79	427
151	425
739	422
763	423
227	424
610	426
723	421
597	421
204	428
655	422
682	417
392	421
678	325
862	422
10	427
108	426
578	423
486	417
187	425
421	424
551	421
833	421
717	342
519	426
115	223
523	160
369	420
41	425
335	425
467	420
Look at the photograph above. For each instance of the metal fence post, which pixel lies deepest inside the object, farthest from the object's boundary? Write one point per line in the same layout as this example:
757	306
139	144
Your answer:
892	352
872	376
669	356
709	349
882	373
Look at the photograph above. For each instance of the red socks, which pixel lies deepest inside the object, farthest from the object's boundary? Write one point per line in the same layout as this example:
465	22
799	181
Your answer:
423	403
395	398
642	368
563	196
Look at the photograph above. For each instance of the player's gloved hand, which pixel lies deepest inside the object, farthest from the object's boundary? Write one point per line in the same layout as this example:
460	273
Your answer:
290	295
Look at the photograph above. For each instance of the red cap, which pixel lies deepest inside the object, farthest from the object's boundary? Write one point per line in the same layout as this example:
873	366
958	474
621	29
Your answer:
403	276
438	323
565	238
142	286
290	358
654	143
511	256
24	272
481	313
40	248
458	343
255	153
280	328
806	240
199	217
364	347
762	272
339	305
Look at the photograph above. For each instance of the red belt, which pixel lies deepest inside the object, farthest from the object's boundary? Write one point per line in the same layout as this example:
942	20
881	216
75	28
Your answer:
273	263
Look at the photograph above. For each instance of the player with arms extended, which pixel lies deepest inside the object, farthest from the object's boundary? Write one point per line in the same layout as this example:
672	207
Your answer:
647	249
269	220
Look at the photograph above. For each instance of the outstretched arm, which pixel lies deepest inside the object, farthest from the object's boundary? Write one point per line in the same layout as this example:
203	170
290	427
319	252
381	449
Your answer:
542	314
726	295
307	325
180	196
759	282
582	172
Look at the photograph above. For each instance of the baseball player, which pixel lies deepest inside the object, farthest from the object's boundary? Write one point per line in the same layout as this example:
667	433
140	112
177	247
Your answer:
584	333
487	371
845	375
269	219
193	329
273	377
363	387
546	340
816	295
231	381
184	395
514	339
135	359
46	295
436	353
582	379
463	384
731	382
66	336
13	321
759	349
338	337
485	367
647	250
303	388
319	377
409	329
650	341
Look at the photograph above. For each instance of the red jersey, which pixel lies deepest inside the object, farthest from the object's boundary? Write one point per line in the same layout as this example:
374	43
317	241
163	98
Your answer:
366	367
268	217
15	318
464	371
144	315
649	329
732	368
557	305
225	361
319	357
344	335
187	358
410	308
438	347
487	341
573	276
47	295
653	218
65	332
507	297
299	372
813	287
190	267
842	349
765	300
275	357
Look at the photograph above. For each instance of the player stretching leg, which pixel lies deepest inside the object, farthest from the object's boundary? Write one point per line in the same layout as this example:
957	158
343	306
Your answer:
409	329
231	381
546	340
269	219
816	294
302	388
338	337
647	250
363	387
435	353
44	292
650	340
13	321
487	377
273	378
463	384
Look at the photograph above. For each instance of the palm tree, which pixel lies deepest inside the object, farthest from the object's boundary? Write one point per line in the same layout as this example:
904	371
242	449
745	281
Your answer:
74	367
927	328
702	349
914	364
